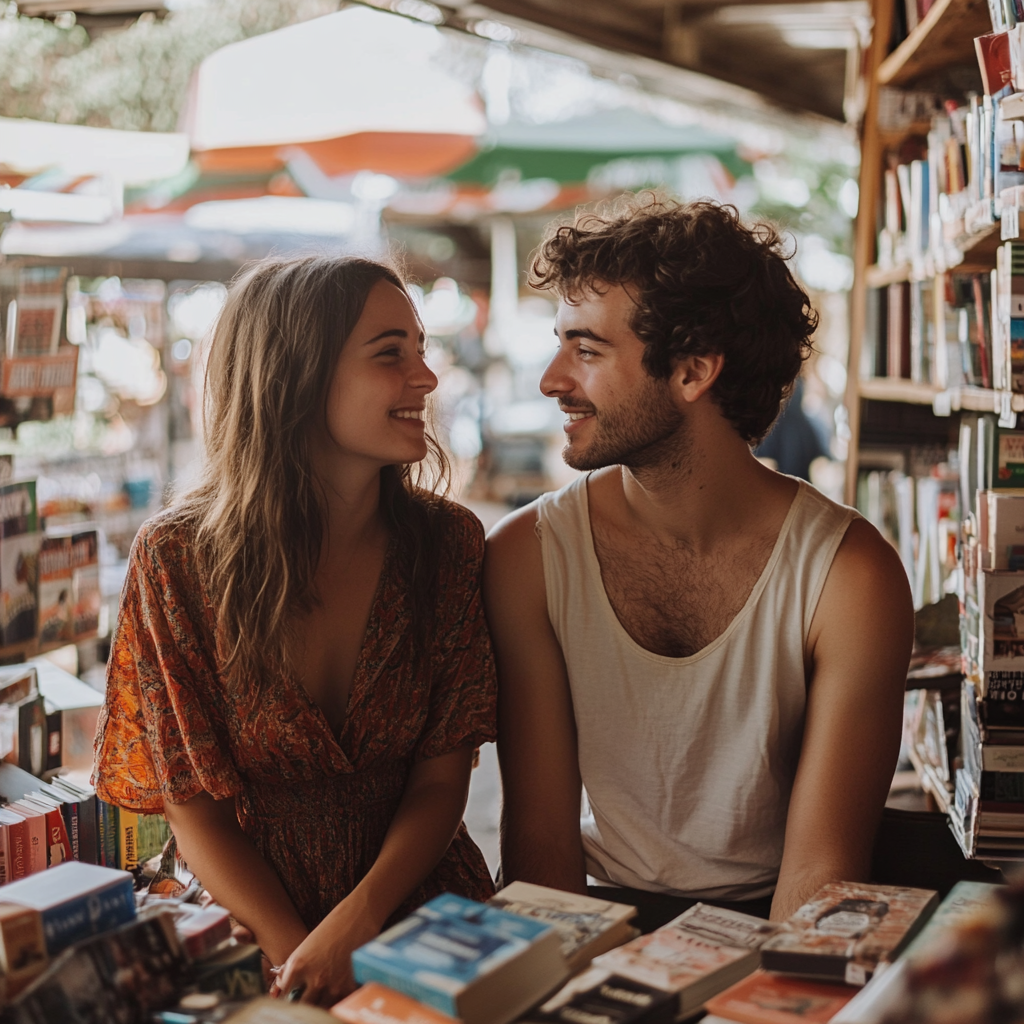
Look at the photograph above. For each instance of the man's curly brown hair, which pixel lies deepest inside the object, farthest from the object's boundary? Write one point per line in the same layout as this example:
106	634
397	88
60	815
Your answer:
702	282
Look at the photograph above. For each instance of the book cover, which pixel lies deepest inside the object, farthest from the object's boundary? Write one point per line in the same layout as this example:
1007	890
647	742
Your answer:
36	822
466	959
88	844
58	848
19	562
1007	459
127	839
964	900
701	952
769	999
993	52
69	809
598	996
847	930
236	971
55	598
86	594
376	1004
76	901
17	843
22	946
587	926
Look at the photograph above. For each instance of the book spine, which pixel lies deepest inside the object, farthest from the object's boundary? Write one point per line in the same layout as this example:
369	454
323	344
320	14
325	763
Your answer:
128	839
88	831
87	915
110	847
366	969
58	847
19	852
74	830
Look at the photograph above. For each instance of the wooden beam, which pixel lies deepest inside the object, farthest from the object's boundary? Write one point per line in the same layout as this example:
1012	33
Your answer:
864	232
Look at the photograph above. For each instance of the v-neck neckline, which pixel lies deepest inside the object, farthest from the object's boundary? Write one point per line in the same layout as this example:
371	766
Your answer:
361	678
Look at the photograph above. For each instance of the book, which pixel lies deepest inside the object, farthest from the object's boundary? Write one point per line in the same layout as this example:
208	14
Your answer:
376	1004
236	971
85	583
88	842
701	952
107	825
1005	529
122	975
847	929
127	839
19	560
16	832
55	599
76	901
765	998
277	1011
58	847
964	900
466	959
200	930
36	822
993	52
598	996
22	946
587	926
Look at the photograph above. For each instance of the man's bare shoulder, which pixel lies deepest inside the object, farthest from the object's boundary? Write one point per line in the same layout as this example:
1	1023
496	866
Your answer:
513	561
866	598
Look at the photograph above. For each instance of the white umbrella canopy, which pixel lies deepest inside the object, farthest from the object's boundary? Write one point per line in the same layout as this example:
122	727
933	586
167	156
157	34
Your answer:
357	90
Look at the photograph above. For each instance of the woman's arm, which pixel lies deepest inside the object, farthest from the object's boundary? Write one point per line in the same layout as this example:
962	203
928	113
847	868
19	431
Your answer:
219	853
422	829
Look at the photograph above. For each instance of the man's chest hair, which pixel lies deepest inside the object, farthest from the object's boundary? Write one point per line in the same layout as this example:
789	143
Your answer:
672	601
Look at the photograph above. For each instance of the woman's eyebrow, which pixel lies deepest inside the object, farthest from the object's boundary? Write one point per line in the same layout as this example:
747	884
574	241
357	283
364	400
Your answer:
394	332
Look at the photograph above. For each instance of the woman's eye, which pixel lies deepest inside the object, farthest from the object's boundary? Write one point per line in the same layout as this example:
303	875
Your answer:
393	351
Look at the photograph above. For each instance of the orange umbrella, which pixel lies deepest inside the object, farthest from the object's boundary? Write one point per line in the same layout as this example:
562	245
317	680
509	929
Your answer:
357	90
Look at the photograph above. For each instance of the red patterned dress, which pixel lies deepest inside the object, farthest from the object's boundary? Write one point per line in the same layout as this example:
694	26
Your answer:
316	806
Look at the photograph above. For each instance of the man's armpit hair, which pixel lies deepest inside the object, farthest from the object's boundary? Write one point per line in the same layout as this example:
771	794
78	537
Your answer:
702	283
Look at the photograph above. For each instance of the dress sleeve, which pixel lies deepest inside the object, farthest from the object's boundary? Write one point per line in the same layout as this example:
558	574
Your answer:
464	692
155	739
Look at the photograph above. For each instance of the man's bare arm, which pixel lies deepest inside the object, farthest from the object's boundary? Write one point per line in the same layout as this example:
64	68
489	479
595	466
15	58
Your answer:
540	820
860	643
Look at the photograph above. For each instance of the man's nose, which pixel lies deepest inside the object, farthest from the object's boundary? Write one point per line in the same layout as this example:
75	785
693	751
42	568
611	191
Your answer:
555	380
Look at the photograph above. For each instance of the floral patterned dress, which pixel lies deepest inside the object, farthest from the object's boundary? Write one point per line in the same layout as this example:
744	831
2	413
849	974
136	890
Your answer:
316	805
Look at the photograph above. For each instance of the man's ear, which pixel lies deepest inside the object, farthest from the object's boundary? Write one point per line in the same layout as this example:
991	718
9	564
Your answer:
693	376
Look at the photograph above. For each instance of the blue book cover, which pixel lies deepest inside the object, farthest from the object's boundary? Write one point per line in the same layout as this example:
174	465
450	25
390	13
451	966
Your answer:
76	901
442	948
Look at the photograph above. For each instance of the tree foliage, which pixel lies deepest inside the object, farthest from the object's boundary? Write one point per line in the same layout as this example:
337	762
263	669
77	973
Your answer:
135	78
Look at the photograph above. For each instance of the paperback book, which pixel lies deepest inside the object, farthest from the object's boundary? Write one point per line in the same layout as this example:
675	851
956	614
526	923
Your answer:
701	952
598	996
765	998
847	930
466	959
586	926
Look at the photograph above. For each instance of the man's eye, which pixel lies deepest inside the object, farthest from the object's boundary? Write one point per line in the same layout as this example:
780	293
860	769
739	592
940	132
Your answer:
587	352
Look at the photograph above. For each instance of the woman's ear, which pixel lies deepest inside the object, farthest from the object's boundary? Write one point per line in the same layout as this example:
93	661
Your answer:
693	376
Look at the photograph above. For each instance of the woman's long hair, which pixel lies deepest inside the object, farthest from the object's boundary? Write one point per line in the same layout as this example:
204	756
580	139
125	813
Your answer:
259	512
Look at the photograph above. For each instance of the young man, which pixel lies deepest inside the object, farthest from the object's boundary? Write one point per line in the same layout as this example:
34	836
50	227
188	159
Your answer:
715	653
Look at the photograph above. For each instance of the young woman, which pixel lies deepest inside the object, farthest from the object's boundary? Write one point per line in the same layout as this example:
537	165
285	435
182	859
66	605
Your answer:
301	668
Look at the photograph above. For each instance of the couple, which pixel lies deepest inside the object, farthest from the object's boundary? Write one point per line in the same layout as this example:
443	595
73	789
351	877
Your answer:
708	656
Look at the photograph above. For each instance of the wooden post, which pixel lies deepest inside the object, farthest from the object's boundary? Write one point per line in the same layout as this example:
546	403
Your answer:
864	233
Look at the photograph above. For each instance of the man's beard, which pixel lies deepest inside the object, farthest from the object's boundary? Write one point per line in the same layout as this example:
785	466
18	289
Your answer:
646	432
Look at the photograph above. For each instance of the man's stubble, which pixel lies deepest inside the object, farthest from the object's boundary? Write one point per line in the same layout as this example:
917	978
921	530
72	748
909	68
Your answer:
645	432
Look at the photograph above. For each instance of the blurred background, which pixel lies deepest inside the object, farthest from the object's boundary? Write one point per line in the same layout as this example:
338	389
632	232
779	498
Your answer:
149	150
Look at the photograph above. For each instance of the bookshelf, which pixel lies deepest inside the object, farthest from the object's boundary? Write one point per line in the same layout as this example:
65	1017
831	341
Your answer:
941	43
944	37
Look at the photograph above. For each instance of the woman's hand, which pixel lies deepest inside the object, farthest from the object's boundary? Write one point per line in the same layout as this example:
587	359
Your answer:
322	963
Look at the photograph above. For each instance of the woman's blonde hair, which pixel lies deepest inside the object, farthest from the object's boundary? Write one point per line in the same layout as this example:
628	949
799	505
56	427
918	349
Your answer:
259	512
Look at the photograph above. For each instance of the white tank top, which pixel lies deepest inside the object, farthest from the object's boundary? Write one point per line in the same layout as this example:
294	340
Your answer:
688	763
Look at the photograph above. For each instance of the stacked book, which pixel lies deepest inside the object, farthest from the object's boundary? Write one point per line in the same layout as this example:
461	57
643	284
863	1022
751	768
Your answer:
827	952
988	808
43	824
74	948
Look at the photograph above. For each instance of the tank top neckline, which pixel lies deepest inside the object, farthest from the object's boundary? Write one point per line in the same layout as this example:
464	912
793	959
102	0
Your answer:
593	569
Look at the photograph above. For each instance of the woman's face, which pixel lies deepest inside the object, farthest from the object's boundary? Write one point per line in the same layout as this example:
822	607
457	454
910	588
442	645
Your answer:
375	406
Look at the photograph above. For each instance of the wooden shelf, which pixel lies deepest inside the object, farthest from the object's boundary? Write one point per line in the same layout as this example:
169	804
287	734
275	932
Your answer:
894	389
973	399
978	256
879	277
944	37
